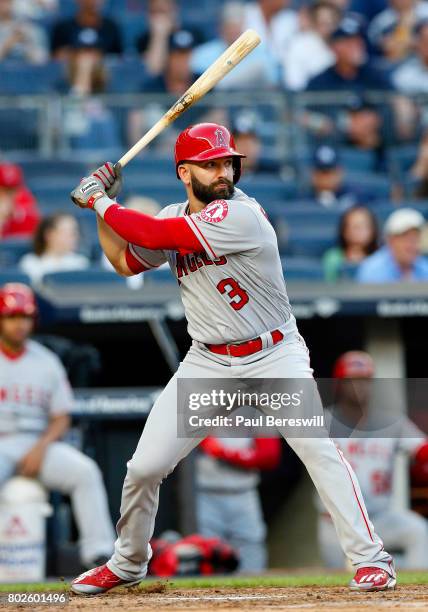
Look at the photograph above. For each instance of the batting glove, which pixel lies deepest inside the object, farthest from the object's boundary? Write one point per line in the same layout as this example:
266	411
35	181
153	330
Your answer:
105	181
88	192
111	177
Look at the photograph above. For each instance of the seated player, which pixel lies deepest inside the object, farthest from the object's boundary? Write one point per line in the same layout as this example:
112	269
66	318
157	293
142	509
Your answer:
35	401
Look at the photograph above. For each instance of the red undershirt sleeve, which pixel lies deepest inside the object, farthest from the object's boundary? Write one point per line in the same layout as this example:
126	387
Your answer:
151	232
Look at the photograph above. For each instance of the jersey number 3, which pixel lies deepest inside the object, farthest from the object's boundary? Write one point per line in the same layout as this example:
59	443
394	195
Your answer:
233	290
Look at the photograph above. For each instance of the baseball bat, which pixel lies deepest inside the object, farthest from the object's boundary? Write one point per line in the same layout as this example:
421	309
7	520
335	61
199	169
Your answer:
212	75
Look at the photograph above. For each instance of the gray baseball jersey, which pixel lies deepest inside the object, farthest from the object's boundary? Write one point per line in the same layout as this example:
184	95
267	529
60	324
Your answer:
235	289
372	459
32	387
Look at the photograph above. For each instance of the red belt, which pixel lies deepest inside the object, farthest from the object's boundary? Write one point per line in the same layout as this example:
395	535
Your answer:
244	348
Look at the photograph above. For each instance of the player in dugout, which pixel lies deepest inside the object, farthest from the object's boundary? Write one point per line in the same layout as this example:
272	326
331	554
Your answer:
35	402
371	450
223	251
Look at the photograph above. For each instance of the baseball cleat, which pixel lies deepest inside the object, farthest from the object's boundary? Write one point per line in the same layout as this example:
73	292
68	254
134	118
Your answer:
372	579
99	580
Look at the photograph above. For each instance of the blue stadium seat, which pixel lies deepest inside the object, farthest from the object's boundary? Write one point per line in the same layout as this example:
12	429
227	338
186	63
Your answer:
400	159
300	213
268	189
14	275
383	209
355	160
150	165
302	269
131	25
19	129
22	78
11	251
126	76
83	277
376	183
311	241
42	169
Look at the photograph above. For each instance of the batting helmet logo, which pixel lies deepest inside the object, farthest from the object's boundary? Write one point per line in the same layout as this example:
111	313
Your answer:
17	299
221	140
205	141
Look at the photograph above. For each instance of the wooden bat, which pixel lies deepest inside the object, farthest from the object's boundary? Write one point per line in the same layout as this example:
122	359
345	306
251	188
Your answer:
212	75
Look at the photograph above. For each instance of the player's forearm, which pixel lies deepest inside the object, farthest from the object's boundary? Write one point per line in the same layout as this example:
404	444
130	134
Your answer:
56	429
114	247
146	231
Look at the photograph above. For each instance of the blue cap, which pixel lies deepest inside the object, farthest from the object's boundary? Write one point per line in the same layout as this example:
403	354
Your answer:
325	158
349	27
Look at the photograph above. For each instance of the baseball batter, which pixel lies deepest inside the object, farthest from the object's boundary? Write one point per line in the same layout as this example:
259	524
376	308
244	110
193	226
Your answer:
224	253
372	459
35	401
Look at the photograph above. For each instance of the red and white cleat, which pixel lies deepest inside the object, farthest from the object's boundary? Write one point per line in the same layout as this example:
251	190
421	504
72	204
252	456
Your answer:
372	579
99	580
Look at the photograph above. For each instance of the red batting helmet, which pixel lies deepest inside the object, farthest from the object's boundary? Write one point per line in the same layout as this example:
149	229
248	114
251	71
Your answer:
354	364
204	141
17	299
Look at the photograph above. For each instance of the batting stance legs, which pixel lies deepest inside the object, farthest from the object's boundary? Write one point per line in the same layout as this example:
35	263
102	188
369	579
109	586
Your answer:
159	451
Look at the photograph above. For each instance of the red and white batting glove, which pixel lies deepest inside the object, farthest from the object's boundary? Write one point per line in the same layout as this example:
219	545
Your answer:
105	182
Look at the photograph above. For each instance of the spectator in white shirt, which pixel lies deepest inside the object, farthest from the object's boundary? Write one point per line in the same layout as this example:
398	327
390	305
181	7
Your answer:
20	39
412	76
54	250
391	32
35	9
259	67
309	53
275	23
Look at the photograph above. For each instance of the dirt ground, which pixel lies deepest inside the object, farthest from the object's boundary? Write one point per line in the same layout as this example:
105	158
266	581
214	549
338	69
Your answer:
326	599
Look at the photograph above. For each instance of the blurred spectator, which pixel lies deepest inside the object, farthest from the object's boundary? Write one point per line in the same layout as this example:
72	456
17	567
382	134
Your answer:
227	499
87	123
328	185
351	71
247	140
309	53
20	39
55	244
176	79
88	29
371	437
412	76
177	75
419	170
363	128
400	259
275	22
18	208
259	67
36	9
391	32
164	22
358	238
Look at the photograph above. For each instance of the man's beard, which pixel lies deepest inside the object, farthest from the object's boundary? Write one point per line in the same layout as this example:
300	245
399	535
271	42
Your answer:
209	193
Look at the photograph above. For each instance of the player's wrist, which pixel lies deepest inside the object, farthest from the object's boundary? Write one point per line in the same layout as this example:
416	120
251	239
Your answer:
102	203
